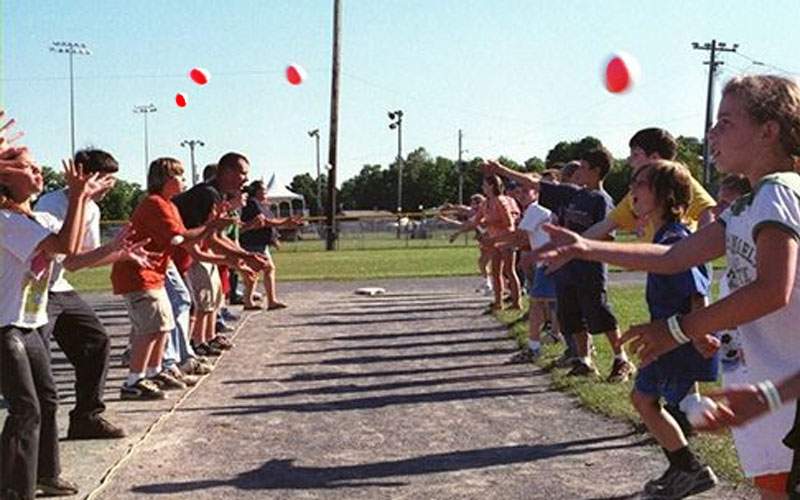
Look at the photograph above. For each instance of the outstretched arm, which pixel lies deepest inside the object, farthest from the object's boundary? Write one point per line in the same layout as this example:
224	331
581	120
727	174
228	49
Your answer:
529	180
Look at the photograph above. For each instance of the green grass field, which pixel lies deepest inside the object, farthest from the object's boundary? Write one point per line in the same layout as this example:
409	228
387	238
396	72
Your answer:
612	399
456	260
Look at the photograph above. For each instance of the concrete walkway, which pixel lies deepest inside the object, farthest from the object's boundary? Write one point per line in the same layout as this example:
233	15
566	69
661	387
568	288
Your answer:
405	395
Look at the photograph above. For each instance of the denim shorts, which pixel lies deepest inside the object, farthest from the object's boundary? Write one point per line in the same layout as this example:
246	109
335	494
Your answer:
653	381
541	286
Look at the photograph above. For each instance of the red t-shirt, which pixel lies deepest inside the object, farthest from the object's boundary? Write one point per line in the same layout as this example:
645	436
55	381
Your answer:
158	219
499	215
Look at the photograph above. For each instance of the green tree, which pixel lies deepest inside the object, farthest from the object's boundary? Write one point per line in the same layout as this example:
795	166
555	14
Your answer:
566	151
53	180
534	164
120	202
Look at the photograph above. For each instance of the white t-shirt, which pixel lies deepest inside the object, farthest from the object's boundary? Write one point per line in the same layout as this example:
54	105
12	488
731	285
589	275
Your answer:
24	277
56	203
770	345
532	221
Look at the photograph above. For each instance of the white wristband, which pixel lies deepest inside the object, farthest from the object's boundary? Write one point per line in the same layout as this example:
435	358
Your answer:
770	393
676	331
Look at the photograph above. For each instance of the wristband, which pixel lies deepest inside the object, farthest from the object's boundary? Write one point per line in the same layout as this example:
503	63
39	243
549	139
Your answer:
674	326
770	393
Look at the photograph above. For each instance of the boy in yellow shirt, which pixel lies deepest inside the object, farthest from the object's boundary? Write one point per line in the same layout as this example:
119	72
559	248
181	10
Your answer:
647	145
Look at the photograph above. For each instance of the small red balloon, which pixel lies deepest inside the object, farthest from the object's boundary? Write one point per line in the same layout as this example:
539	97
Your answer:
180	100
199	76
295	74
620	73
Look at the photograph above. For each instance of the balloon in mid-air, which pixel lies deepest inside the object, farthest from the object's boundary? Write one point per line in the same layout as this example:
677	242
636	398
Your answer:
620	72
199	76
180	100
295	74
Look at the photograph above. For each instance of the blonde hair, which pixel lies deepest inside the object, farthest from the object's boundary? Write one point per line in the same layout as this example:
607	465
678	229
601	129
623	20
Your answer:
671	184
160	171
771	98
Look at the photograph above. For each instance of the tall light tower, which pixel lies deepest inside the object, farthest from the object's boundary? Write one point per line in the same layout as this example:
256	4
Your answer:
191	144
72	49
315	134
145	109
397	123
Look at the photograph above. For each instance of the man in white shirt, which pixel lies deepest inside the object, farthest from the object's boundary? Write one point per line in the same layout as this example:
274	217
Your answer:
72	322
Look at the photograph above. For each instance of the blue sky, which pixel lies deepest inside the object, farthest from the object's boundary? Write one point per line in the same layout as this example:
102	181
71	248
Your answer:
516	76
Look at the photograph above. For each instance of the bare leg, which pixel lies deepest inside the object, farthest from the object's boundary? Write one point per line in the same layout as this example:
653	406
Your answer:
661	425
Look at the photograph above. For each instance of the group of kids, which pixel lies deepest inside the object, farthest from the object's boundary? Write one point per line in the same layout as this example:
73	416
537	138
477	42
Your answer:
166	266
563	232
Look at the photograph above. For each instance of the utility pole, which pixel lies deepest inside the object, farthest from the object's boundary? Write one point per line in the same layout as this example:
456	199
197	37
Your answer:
71	48
191	144
330	240
397	123
712	63
460	169
315	134
145	110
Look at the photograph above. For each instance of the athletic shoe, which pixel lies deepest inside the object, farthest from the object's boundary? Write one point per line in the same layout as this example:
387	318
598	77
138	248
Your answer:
222	327
681	483
581	369
564	361
654	485
95	427
166	381
187	378
526	355
206	350
55	487
143	390
221	342
193	366
227	315
621	371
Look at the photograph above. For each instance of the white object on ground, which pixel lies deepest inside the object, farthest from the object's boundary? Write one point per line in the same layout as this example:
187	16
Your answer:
695	406
371	291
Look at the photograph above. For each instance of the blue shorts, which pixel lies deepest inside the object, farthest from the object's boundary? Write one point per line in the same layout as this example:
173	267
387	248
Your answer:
652	381
542	286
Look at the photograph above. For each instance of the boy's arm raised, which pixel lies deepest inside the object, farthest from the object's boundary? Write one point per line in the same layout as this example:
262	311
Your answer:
701	247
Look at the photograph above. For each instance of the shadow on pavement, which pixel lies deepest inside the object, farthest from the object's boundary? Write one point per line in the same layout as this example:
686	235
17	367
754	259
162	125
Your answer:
360	360
409	345
280	474
310	376
352	388
427	333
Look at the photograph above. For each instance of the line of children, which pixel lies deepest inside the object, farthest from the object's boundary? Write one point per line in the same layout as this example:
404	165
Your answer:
757	134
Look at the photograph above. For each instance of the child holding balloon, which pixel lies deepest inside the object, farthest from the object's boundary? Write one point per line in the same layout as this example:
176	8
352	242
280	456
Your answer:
757	134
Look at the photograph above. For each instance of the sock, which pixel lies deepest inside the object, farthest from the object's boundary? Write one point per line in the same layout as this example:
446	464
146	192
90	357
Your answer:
133	378
587	360
534	345
621	356
489	282
684	459
152	371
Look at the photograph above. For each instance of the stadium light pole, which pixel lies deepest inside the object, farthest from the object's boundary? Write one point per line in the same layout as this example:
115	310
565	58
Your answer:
397	123
145	110
315	134
191	144
72	49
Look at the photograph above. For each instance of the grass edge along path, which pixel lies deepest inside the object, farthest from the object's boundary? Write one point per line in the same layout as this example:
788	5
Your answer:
613	399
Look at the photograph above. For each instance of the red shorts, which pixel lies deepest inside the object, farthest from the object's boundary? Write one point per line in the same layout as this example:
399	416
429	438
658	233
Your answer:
773	482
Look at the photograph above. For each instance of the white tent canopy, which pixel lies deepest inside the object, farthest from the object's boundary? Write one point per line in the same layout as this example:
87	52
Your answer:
281	200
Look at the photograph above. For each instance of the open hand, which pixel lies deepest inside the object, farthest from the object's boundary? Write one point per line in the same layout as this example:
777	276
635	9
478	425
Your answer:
736	405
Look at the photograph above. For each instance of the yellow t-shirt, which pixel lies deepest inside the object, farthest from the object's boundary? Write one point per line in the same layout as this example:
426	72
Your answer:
625	218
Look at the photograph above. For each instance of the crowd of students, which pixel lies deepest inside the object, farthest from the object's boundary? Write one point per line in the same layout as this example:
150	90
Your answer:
171	265
562	228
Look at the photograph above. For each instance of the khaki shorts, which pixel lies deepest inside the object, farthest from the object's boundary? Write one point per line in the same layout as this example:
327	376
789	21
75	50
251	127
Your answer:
206	286
150	311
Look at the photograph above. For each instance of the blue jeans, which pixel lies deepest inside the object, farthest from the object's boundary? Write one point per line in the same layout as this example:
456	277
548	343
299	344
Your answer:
178	347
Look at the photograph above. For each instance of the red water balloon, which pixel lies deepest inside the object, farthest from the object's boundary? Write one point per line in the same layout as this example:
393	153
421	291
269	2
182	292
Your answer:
180	100
295	74
199	76
620	73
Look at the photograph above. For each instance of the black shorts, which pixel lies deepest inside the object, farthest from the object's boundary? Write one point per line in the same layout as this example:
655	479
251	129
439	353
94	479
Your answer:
583	308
